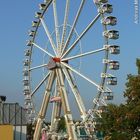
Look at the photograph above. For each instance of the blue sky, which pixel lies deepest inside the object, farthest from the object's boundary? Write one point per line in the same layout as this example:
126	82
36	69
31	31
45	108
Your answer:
16	17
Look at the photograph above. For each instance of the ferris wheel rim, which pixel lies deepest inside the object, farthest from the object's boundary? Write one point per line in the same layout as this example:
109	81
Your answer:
100	86
39	22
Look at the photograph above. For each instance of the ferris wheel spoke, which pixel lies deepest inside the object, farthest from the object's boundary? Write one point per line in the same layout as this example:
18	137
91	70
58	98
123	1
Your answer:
81	75
83	54
81	35
40	84
37	67
49	35
65	24
37	46
56	26
73	26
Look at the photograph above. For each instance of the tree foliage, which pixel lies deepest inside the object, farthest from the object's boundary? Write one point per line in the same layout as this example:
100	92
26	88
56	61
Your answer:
123	121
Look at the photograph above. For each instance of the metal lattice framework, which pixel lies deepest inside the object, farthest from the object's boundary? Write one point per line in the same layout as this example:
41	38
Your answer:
63	47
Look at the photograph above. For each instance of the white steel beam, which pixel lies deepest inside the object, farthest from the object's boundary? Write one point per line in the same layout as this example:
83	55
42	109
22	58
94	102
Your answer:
74	25
40	84
49	35
65	24
56	26
75	92
81	35
44	106
37	67
81	75
56	111
37	46
65	104
83	54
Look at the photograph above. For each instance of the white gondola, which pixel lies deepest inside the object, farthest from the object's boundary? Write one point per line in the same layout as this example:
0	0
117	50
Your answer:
103	75
29	43
31	33
34	23
32	112
25	82
28	103
42	6
102	109
114	65
114	49
108	97
110	20
111	34
26	62
27	52
25	73
27	97
29	108
100	1
26	90
46	1
38	14
28	111
112	81
107	8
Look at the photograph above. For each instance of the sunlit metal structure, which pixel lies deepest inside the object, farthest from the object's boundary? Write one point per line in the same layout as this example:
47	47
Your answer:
58	70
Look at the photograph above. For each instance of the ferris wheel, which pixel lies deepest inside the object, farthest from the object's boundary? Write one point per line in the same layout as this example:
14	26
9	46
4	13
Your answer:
65	35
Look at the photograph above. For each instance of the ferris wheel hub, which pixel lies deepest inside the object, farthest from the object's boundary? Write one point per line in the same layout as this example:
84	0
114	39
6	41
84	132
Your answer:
56	59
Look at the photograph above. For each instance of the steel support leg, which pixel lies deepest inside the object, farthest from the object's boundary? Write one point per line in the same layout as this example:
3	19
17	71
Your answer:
75	92
44	106
78	98
56	111
67	113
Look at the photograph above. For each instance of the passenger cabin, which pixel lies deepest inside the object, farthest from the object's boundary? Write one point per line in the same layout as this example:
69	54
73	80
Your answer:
34	23
38	14
25	82
26	62
26	90
110	20
42	6
28	106
111	34
100	1
112	81
28	103
27	52
31	33
102	109
107	8
25	73
114	49
114	65
108	97
28	97
29	43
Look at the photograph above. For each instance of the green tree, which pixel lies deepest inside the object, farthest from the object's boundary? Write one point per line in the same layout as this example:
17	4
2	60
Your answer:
138	65
132	95
123	121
